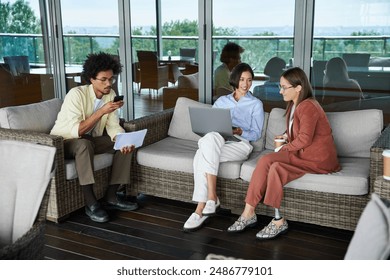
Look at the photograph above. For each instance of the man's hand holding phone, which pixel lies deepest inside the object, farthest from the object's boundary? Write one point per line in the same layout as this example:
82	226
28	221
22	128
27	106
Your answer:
118	98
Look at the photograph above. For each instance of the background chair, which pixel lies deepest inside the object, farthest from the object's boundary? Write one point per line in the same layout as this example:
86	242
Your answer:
357	61
26	171
187	86
269	92
136	75
188	52
17	65
153	75
174	73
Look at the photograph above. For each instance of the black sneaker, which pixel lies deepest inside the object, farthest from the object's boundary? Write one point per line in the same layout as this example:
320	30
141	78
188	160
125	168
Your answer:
122	205
97	213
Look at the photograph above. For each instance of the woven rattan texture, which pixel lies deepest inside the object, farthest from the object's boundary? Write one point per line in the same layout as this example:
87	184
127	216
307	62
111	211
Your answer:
30	245
382	187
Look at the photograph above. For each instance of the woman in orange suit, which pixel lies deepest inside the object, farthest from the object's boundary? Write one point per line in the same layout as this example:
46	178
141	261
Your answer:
308	148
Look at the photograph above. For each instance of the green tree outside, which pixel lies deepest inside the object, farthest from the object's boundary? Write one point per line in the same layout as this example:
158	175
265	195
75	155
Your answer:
19	18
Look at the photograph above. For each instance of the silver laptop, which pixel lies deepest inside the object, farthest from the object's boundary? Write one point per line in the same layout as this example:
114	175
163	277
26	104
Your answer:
205	120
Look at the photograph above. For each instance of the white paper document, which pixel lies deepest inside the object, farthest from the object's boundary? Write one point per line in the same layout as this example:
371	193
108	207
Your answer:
135	138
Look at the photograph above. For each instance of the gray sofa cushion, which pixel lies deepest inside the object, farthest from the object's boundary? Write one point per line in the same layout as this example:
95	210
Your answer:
371	240
354	132
177	155
276	126
39	117
180	126
100	161
351	180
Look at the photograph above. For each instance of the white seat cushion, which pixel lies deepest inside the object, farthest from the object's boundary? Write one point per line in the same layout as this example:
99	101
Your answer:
100	161
351	180
175	154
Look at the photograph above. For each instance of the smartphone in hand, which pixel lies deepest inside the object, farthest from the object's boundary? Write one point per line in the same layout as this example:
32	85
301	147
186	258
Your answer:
118	98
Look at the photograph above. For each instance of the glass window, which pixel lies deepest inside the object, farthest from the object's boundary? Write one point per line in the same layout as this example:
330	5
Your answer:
264	34
351	56
23	55
161	60
91	28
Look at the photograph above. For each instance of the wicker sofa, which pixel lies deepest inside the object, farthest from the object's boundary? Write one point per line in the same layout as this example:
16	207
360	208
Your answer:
32	123
163	166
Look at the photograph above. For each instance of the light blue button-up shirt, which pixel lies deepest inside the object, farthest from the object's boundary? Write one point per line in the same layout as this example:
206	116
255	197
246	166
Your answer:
247	114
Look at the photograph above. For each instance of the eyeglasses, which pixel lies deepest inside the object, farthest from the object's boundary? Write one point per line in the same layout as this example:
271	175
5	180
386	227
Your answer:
111	80
284	88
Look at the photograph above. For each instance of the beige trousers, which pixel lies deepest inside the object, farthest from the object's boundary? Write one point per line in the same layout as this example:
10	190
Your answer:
83	150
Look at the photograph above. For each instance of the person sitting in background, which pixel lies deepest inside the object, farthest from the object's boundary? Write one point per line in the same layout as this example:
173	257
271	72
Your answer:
270	89
230	57
337	84
87	112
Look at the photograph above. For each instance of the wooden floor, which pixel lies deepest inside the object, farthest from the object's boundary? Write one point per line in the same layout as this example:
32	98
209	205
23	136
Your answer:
148	103
154	232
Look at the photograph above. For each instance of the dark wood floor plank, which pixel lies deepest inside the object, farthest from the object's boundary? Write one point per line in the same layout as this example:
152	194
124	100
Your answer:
74	232
155	232
55	253
328	250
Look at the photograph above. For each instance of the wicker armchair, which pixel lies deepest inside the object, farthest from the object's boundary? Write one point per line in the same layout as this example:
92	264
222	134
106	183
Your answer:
153	75
26	171
65	194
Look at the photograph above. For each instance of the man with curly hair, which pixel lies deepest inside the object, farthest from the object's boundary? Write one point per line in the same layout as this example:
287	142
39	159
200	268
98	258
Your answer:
89	123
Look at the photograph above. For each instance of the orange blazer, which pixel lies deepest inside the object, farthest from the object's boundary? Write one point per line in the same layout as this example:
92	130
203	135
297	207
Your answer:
311	145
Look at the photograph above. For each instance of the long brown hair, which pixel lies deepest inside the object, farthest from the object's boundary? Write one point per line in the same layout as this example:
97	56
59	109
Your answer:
297	77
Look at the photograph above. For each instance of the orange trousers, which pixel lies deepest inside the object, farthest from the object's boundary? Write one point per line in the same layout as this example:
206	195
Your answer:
272	172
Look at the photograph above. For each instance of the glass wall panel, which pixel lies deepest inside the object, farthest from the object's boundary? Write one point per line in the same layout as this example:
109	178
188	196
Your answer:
265	30
179	28
164	47
89	26
351	55
23	55
144	44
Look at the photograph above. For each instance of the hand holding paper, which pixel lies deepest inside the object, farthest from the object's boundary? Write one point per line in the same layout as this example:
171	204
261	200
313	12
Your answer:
135	138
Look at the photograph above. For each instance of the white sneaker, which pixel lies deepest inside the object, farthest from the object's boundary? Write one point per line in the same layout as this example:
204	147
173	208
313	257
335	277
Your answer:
211	207
194	222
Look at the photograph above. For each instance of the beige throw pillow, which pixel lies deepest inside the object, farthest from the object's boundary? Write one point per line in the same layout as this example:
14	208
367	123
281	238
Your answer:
180	126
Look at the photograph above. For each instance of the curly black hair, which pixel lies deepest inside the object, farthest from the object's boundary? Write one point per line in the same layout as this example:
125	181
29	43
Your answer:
97	62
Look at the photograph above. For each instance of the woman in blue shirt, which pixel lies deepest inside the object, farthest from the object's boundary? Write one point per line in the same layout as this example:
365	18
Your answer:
247	118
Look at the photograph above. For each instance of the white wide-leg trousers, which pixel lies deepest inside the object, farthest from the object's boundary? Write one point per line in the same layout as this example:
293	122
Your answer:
211	152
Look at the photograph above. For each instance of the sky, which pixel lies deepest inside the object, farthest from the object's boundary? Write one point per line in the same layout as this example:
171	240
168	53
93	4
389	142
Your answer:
226	13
